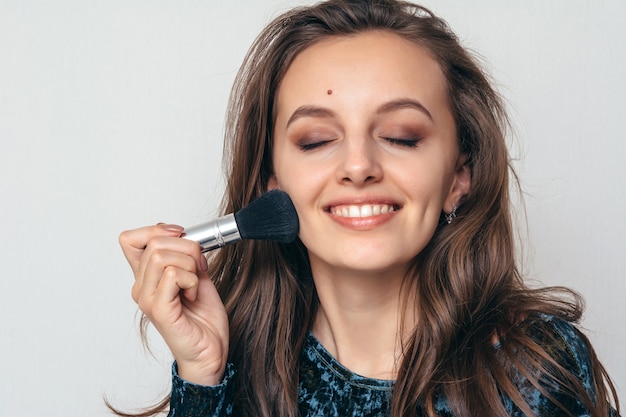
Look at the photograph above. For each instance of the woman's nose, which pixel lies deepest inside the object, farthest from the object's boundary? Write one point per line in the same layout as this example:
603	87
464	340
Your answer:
359	162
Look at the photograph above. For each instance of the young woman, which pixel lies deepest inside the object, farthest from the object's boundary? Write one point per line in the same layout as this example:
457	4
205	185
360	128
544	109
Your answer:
401	296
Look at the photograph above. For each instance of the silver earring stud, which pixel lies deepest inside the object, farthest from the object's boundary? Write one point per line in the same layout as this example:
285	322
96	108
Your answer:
451	215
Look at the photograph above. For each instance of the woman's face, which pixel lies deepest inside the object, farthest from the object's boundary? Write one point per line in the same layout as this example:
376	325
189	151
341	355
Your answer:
365	145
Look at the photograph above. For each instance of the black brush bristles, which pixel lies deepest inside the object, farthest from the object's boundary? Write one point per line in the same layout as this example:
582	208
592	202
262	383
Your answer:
270	217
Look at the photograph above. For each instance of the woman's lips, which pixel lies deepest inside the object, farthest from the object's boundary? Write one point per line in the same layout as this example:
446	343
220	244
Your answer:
362	216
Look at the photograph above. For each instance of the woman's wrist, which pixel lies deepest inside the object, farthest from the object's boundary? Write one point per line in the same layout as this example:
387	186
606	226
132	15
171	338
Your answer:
200	375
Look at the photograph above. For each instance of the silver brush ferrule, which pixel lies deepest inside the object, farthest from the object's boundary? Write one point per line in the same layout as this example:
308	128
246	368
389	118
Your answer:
214	234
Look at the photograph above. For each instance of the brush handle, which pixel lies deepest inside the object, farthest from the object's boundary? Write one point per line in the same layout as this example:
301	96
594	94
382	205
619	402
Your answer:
214	234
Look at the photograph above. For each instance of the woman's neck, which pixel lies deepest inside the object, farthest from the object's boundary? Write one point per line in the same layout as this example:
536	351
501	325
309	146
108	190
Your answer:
359	318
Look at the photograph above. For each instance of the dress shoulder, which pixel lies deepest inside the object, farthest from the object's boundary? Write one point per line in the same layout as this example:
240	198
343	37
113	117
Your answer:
569	348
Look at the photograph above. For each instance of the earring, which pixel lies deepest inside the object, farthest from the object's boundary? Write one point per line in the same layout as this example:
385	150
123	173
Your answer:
452	214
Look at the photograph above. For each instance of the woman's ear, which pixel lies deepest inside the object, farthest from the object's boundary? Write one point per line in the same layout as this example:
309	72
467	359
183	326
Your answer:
460	184
272	183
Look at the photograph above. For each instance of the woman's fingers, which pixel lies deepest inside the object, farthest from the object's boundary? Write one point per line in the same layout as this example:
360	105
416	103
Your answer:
133	242
166	267
165	303
156	258
173	289
159	246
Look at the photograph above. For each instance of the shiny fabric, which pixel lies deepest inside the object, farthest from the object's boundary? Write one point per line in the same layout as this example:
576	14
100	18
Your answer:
327	388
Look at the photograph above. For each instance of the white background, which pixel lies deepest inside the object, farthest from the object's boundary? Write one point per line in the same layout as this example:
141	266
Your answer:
111	117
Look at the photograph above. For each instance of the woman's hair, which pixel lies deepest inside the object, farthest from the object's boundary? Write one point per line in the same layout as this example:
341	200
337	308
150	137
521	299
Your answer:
464	286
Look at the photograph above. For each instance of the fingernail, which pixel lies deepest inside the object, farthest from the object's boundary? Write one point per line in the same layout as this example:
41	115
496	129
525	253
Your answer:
172	228
204	263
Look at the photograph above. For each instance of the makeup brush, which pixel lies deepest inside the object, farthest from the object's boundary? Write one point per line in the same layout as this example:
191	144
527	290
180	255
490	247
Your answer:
270	217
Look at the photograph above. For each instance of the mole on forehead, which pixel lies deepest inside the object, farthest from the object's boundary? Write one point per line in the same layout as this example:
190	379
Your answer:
329	92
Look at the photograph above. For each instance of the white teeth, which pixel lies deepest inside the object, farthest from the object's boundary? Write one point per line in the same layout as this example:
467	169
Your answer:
366	210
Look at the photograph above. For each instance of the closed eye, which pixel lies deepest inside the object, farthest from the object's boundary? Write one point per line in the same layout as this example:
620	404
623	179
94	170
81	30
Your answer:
313	145
409	143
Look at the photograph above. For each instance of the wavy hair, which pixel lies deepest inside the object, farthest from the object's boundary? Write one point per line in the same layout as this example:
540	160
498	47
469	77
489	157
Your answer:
465	285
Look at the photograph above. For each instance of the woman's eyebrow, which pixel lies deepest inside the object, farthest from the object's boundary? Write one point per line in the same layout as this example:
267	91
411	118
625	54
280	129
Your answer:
323	112
404	103
309	111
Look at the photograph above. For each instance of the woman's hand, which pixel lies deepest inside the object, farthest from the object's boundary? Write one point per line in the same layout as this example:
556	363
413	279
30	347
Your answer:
173	290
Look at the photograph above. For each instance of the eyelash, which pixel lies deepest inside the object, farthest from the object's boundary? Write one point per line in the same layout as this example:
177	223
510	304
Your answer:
409	143
313	145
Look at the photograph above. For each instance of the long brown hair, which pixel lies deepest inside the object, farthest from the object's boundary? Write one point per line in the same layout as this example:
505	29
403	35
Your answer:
467	288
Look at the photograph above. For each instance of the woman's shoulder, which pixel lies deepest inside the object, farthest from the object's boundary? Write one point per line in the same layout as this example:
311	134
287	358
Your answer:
565	343
559	361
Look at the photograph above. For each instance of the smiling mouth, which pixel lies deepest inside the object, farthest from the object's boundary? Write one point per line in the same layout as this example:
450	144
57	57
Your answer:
363	210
